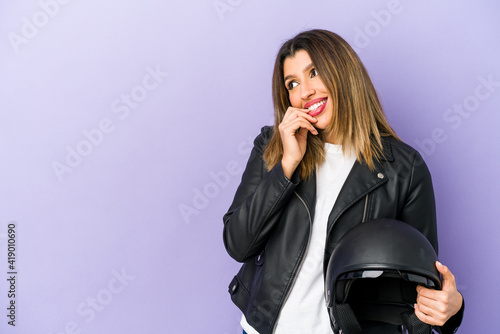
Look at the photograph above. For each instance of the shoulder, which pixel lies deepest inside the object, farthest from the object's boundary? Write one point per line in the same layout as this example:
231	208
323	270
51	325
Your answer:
405	159
395	149
266	132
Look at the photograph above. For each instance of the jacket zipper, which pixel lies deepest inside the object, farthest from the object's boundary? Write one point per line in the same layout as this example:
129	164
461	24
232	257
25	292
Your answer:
366	206
301	260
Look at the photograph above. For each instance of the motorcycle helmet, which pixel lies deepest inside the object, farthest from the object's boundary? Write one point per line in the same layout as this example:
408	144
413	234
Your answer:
373	273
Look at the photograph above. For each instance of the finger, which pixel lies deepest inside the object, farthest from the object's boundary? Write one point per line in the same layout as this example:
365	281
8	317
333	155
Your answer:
299	117
448	277
437	305
306	126
297	112
428	318
291	109
424	292
435	315
291	127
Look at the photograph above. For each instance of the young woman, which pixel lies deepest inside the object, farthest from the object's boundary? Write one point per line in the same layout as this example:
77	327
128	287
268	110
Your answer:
331	161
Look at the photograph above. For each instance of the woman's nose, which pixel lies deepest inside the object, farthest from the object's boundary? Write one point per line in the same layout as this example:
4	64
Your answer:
306	91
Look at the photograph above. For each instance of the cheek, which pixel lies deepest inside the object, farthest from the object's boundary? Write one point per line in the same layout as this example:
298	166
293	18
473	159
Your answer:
295	101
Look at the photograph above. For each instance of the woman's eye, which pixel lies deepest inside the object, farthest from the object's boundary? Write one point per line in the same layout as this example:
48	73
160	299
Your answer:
292	85
314	73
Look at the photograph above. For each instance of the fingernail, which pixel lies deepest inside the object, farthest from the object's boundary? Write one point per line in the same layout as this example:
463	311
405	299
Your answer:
439	263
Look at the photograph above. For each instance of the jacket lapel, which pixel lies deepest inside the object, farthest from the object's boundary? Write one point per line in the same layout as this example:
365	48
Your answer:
307	191
360	181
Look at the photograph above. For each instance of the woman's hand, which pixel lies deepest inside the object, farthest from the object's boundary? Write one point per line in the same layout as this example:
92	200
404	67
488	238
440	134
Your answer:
293	130
435	307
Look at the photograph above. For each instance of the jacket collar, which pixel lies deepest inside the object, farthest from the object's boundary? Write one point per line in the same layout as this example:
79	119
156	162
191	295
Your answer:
387	148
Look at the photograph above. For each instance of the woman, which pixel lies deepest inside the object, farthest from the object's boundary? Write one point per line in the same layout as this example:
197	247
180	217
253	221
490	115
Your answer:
331	161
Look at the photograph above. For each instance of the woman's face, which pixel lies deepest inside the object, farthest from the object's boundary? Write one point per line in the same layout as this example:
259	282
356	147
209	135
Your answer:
305	88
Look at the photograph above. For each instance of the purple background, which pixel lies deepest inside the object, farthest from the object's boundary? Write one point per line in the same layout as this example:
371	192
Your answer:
128	239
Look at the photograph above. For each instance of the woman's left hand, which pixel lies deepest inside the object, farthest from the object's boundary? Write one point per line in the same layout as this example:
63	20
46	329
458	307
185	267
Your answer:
435	307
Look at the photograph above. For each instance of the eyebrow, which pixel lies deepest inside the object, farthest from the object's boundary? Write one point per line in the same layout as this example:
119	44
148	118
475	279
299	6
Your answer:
306	69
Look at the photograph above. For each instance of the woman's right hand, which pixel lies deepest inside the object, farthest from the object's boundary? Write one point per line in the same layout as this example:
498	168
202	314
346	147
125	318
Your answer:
293	130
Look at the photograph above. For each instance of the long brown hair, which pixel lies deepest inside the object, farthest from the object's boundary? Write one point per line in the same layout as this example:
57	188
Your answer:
358	121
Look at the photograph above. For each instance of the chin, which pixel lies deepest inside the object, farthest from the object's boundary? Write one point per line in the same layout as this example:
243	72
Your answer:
322	124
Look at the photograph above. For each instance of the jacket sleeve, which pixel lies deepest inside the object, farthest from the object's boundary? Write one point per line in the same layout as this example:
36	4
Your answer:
419	208
257	205
419	211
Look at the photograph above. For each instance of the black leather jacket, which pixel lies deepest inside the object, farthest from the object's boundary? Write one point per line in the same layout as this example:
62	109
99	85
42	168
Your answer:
269	223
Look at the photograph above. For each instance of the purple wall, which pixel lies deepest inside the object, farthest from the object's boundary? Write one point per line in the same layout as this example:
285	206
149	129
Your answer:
125	127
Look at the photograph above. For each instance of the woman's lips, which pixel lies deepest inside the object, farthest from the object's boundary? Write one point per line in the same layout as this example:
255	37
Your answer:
316	106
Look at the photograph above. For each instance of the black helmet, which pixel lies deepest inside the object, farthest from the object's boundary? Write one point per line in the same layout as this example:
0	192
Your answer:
373	273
